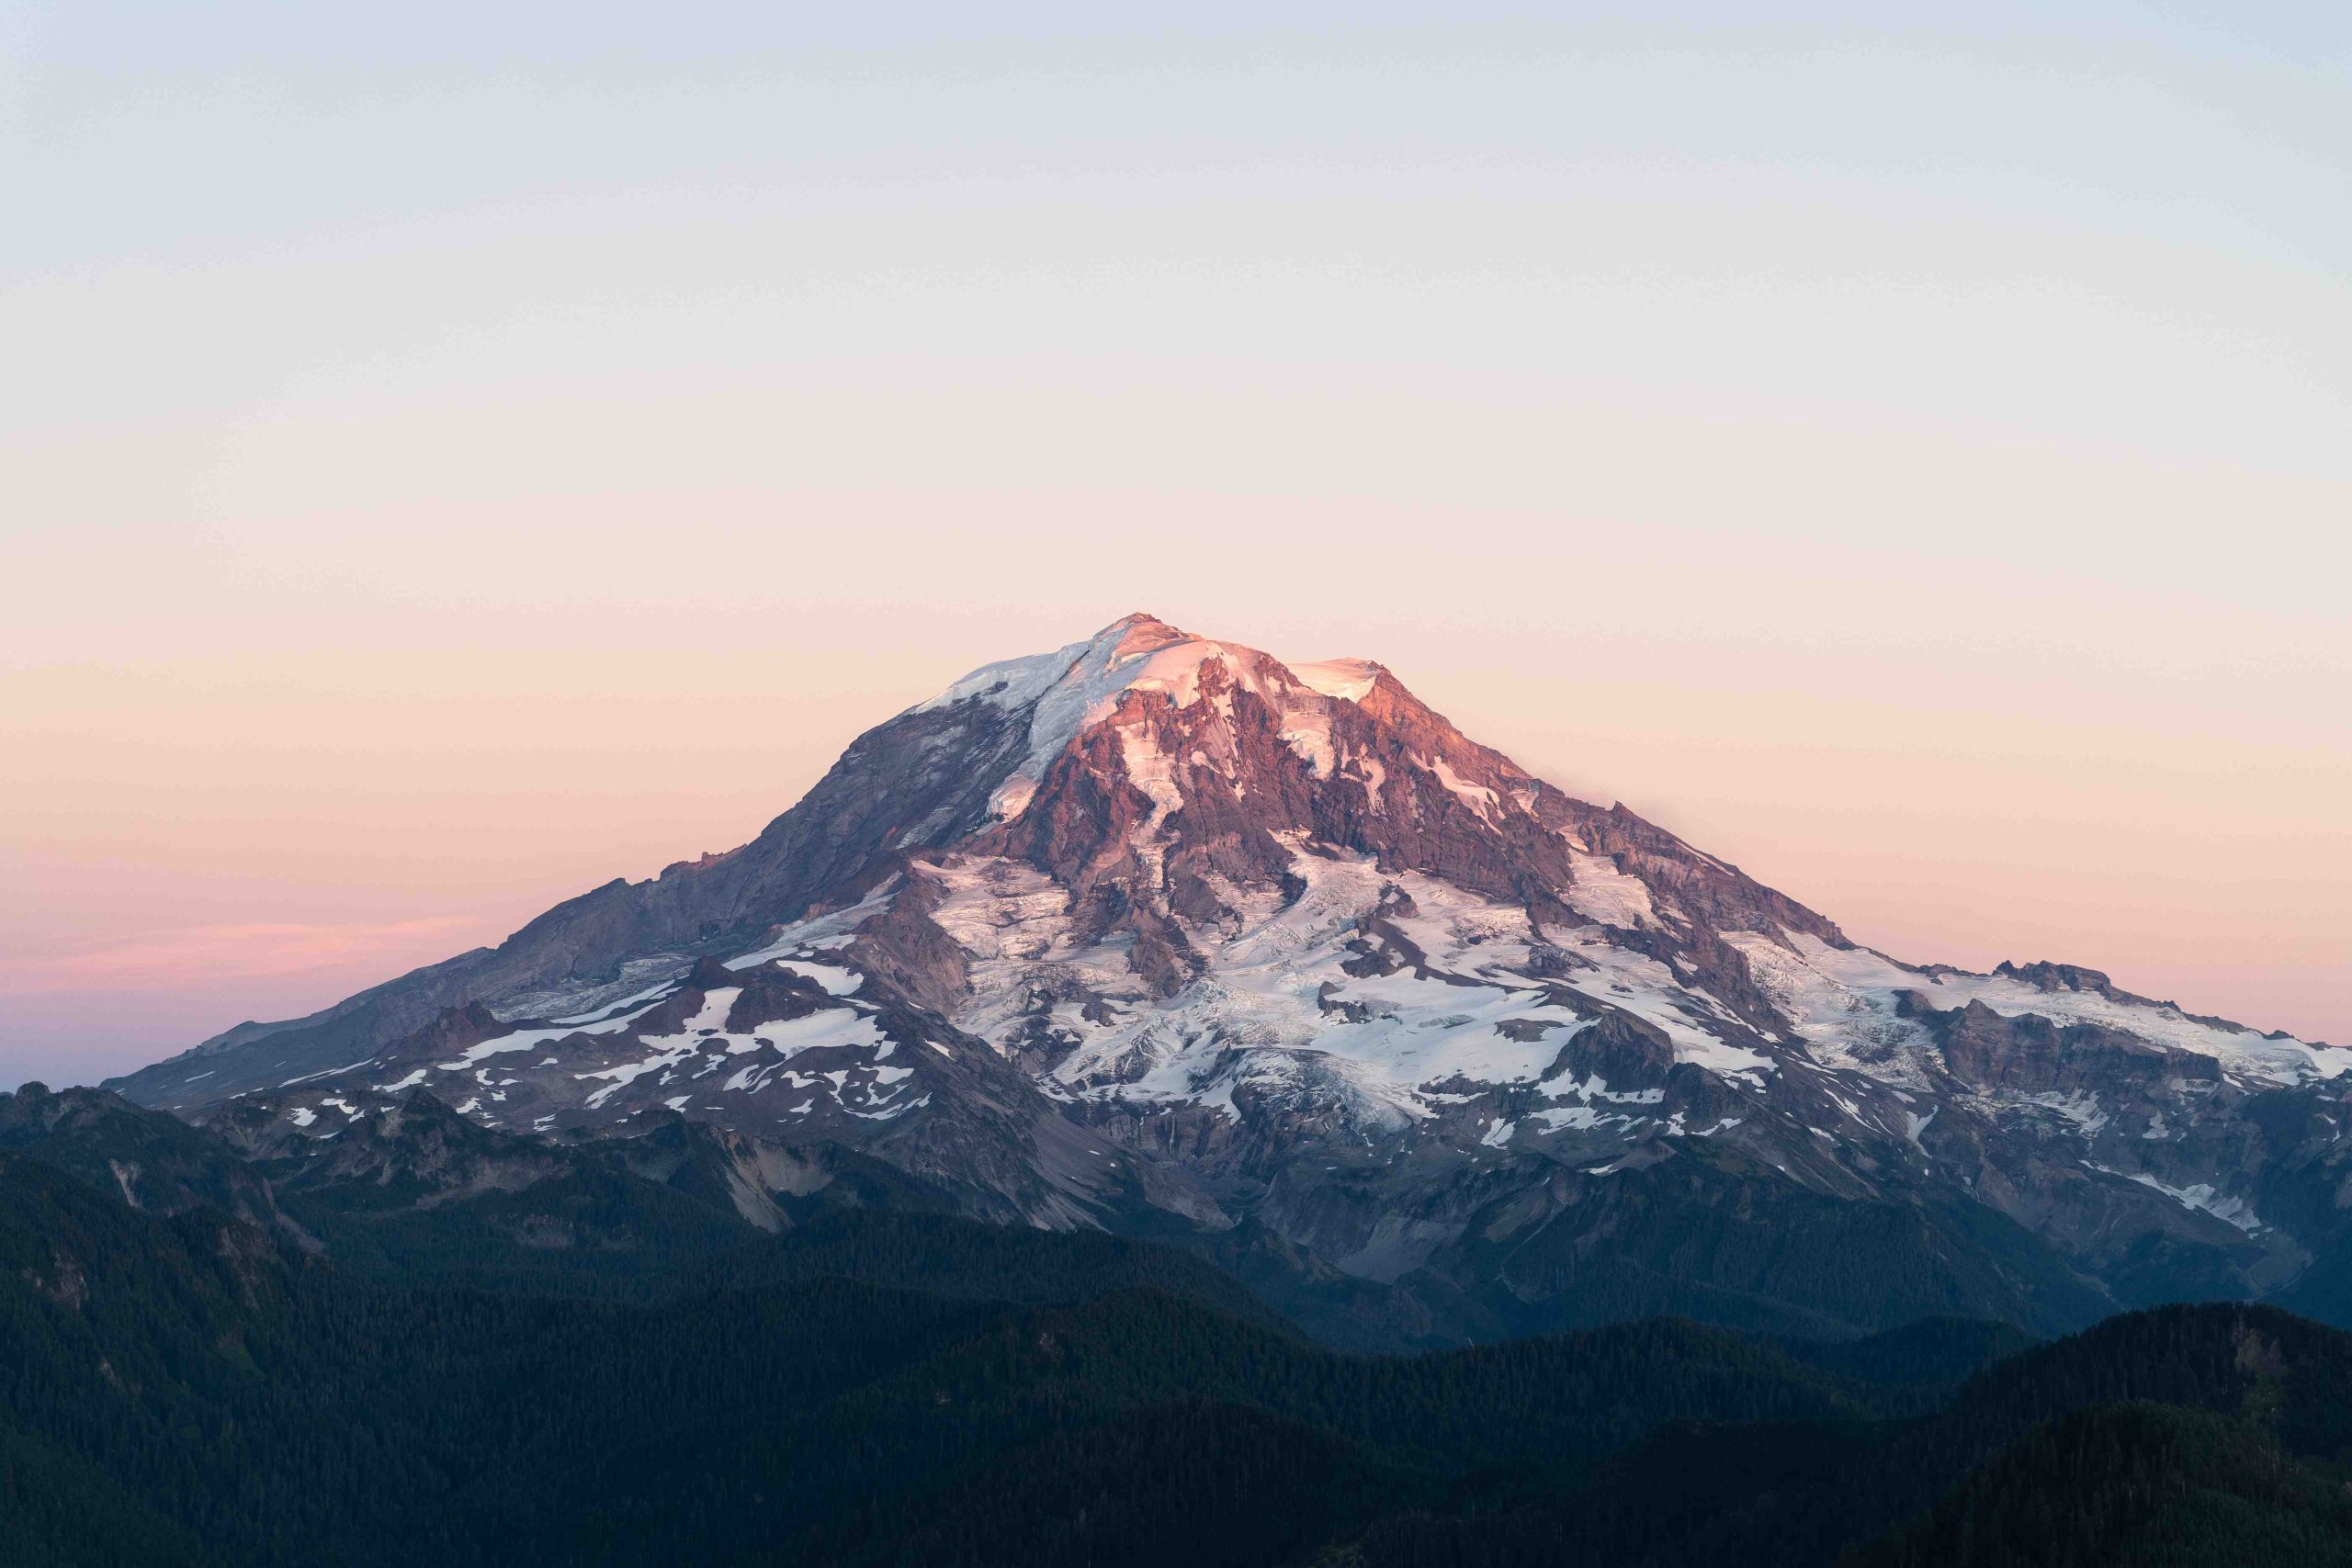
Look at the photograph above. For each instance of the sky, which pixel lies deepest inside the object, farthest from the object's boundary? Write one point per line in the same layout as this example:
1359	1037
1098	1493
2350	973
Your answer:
453	455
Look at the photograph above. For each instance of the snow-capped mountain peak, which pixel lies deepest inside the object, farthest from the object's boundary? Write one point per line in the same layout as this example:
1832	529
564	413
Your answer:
1070	690
1158	919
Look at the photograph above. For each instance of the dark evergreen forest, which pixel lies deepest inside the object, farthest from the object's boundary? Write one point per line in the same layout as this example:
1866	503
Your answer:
885	1387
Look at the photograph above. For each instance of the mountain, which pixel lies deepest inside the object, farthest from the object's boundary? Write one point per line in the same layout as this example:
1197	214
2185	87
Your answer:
176	1389
1158	934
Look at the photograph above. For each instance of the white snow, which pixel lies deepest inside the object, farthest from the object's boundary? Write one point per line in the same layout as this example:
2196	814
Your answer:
302	1115
2201	1195
1476	796
1257	1019
1307	732
562	1029
669	1050
1598	891
1072	689
1582	1119
1260	997
605	1016
1350	680
2081	1108
1075	686
1014	682
819	932
837	981
1689	1018
769	1046
327	1072
1153	772
1839	999
1597	1087
1842	1024
833	1028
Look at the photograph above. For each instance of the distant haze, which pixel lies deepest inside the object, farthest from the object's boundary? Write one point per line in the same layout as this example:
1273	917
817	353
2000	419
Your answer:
454	457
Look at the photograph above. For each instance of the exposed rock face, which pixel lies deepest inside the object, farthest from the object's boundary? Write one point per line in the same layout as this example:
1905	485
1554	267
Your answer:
1156	931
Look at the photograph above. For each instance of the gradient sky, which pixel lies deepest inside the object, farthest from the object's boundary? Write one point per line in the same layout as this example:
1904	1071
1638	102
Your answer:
452	456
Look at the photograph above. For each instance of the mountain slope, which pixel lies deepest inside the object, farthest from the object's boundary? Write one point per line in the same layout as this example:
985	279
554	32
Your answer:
1158	934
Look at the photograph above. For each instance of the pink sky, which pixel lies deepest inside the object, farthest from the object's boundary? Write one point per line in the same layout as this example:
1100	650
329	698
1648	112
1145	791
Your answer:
254	824
1905	457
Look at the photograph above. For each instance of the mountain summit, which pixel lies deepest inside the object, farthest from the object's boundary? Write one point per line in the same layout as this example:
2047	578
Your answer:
1160	933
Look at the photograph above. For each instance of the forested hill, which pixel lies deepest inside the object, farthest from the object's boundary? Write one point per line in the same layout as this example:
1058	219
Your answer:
912	1389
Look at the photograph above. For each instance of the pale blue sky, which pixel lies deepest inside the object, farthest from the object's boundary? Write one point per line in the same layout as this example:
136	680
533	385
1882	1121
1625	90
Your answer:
219	211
